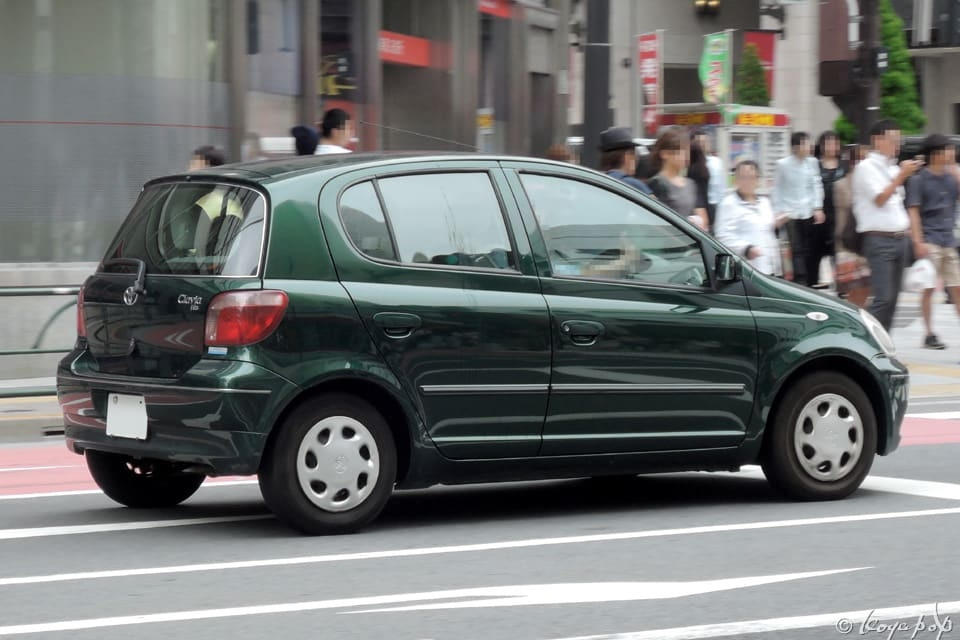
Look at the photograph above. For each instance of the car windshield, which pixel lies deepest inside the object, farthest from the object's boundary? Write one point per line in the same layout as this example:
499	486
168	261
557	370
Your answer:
194	229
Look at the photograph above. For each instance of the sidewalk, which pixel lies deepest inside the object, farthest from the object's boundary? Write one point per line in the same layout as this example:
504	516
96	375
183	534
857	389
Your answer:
932	373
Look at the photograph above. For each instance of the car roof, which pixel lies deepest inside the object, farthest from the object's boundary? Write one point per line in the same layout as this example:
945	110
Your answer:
279	168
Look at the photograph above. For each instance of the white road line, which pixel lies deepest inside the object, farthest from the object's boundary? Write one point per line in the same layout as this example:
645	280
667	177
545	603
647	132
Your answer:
937	415
521	594
841	623
53	466
905	486
72	530
90	492
467	548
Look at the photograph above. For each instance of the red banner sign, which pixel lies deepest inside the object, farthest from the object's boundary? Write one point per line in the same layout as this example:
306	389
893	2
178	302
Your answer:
498	8
403	49
766	43
650	64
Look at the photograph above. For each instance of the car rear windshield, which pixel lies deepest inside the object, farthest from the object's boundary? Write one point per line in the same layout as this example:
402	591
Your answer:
194	229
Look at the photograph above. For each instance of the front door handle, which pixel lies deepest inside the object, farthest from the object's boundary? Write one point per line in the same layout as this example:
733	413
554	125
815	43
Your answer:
397	325
583	333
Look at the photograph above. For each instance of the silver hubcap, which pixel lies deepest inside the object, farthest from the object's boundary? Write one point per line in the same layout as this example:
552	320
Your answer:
338	464
828	437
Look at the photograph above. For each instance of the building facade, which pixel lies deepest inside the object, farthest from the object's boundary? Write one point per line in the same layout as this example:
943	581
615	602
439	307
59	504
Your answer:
932	28
99	96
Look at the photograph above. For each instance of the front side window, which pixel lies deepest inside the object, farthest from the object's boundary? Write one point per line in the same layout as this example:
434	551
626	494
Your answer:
451	219
194	229
593	233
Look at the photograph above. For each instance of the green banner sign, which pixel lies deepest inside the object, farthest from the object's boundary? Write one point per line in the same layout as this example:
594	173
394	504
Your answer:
715	68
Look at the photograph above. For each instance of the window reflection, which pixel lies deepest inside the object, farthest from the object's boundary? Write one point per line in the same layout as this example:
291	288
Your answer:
449	219
594	233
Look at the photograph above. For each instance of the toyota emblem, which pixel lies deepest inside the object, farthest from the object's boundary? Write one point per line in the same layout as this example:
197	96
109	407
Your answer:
130	296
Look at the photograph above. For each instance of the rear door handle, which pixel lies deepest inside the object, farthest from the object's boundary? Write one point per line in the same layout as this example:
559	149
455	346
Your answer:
397	325
583	333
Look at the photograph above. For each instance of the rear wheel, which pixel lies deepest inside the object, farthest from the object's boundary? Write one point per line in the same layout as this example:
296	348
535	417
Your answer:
141	483
822	440
332	466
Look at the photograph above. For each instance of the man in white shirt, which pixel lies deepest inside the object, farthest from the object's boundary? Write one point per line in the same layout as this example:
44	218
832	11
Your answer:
798	196
335	132
881	217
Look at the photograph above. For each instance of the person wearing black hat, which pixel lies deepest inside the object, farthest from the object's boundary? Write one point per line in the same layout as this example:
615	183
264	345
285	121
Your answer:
305	139
619	158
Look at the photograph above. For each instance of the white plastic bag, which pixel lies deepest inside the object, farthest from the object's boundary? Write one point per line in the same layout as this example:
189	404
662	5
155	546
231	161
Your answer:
919	276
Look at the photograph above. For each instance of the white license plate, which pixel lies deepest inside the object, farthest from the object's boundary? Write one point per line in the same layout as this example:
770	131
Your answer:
126	416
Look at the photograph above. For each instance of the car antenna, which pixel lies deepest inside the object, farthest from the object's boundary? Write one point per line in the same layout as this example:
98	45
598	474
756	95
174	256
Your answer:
421	135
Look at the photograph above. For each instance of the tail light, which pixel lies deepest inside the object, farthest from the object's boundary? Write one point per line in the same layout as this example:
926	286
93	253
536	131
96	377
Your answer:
239	318
81	325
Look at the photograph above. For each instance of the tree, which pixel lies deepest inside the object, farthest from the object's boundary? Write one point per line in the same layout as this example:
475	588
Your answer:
750	86
898	87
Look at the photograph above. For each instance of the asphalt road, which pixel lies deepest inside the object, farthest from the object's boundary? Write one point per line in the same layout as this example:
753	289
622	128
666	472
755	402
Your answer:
651	557
666	557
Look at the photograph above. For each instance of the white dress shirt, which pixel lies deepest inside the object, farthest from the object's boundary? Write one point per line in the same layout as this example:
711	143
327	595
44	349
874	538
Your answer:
323	149
718	184
797	187
870	178
741	224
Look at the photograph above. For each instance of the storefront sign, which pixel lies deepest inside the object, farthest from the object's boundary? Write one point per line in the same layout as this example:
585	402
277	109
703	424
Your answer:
762	119
403	49
766	42
691	119
650	64
498	8
485	120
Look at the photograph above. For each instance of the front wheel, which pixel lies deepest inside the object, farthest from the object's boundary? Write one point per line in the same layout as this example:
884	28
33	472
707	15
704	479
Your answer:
332	466
141	483
821	441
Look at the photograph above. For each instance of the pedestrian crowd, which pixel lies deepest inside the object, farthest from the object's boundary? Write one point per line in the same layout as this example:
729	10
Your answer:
878	221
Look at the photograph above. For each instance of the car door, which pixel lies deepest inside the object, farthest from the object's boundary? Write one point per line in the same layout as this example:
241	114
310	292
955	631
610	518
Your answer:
647	355
451	299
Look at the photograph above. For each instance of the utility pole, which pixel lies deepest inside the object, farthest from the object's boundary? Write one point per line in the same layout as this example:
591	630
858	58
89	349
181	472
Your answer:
596	81
869	88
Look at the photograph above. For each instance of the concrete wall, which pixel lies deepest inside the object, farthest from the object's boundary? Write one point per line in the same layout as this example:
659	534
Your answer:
796	83
25	318
941	91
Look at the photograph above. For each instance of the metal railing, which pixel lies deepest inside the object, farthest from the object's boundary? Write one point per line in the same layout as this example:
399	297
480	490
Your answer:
35	348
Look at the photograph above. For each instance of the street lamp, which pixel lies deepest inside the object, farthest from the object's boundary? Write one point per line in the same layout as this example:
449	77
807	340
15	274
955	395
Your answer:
706	7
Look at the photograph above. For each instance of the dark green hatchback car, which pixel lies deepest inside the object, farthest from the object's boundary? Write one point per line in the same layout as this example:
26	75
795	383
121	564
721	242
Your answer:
344	326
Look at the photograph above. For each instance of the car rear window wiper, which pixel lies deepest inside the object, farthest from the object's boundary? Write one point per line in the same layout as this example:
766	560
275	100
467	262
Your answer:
138	284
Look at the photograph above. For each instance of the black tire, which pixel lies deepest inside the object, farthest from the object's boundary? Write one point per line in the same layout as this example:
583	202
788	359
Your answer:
283	472
141	483
781	462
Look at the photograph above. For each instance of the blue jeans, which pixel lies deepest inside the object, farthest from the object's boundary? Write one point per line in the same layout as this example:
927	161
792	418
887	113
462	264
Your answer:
887	258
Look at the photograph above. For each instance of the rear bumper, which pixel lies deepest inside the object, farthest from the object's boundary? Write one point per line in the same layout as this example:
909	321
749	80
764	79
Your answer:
217	416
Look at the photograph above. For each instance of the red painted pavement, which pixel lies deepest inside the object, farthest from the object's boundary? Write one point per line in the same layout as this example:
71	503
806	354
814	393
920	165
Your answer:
69	472
21	470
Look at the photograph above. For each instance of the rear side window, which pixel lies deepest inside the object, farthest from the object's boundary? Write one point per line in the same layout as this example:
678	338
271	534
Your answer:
194	229
449	219
364	222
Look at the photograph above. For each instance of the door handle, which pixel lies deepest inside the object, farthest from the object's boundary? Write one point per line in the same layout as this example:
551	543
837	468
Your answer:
397	325
583	333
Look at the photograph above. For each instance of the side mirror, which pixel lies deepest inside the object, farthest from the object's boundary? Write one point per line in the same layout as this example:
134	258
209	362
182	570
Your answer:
728	268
